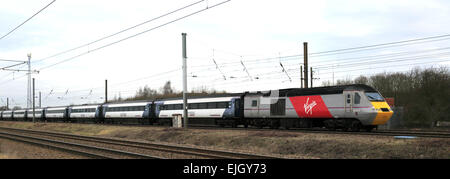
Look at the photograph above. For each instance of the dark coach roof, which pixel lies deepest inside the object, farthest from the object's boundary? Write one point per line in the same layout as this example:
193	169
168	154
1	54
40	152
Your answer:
200	96
319	90
325	90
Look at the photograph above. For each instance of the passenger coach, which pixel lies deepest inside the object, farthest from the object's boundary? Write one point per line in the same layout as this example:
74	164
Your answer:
7	115
19	115
38	114
132	112
85	113
56	114
202	111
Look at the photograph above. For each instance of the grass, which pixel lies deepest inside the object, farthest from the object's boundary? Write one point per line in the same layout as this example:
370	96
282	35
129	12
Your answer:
286	144
7	154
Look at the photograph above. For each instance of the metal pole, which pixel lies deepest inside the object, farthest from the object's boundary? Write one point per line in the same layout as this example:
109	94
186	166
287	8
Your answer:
312	77
106	91
7	103
29	81
185	106
301	76
33	103
40	100
305	55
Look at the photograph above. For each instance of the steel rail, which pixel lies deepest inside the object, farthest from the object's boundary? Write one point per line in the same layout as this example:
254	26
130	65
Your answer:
204	153
81	146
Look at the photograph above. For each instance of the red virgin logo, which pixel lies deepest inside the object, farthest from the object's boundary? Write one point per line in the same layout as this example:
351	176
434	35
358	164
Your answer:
309	107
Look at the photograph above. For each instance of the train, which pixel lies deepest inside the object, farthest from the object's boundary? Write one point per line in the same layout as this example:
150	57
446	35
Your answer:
347	108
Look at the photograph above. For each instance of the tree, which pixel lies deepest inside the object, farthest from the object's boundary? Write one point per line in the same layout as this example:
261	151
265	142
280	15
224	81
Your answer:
361	80
167	89
327	83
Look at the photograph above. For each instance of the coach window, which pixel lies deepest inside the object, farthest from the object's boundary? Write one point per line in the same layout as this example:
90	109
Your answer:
212	105
222	105
178	106
193	106
170	107
202	106
357	98
348	99
254	103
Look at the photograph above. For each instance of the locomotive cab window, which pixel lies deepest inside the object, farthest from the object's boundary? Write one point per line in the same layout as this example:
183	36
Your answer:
374	96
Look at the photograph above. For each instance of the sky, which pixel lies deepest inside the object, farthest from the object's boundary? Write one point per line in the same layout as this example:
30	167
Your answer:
259	33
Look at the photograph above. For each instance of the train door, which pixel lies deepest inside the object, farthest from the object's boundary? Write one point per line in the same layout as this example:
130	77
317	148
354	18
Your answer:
252	106
348	103
237	108
99	117
356	101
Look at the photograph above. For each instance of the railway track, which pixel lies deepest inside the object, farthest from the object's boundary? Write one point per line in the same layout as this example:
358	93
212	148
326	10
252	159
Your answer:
428	134
121	148
380	133
415	133
75	148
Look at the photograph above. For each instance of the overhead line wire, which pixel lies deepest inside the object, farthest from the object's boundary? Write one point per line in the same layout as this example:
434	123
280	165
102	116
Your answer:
26	20
119	32
121	40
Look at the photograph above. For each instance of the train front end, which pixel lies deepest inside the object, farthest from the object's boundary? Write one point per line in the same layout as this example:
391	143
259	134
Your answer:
380	107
